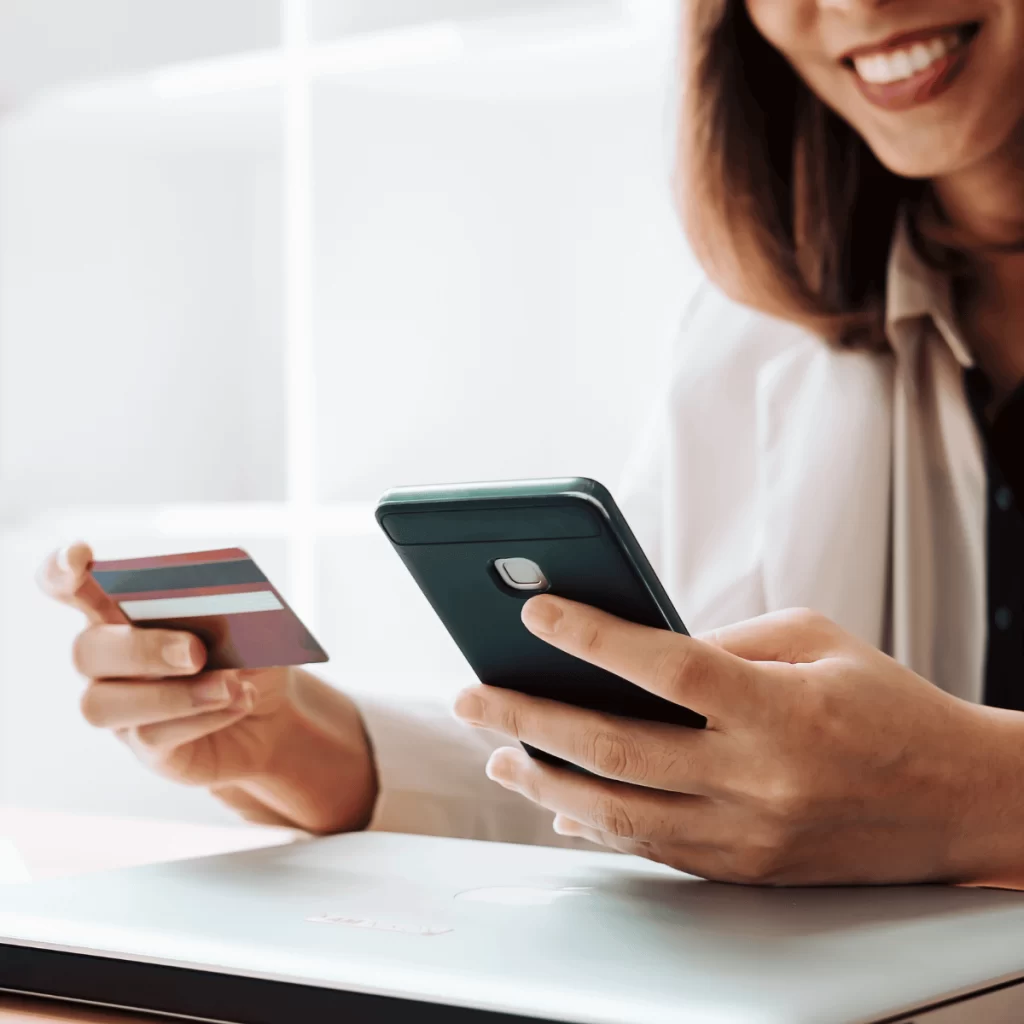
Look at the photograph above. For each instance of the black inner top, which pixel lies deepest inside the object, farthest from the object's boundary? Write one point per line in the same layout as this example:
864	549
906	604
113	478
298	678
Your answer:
1003	438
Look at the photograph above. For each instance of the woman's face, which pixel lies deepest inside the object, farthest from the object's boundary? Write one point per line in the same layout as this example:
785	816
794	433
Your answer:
933	86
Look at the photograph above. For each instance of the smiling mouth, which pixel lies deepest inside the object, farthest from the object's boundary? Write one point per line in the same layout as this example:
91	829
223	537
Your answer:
912	68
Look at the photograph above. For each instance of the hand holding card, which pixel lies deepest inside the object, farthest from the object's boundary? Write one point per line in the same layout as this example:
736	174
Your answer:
221	596
275	743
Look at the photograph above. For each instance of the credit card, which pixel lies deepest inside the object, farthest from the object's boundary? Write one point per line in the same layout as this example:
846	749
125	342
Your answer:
221	596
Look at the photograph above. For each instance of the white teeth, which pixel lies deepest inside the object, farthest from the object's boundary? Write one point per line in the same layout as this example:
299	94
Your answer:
898	65
900	62
919	57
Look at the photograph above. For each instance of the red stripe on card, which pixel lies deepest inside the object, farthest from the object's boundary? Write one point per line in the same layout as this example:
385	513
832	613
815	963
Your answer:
159	561
231	588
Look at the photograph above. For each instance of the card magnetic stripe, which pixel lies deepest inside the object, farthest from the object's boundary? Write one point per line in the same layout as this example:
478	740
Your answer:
179	577
202	605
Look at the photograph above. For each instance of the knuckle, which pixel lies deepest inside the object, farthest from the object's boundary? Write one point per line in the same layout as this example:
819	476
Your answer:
614	754
681	668
786	799
509	721
171	700
589	637
763	858
529	784
611	815
811	623
807	617
523	777
146	647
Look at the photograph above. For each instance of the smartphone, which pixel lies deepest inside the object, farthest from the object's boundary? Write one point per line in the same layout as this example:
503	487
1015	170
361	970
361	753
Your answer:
479	551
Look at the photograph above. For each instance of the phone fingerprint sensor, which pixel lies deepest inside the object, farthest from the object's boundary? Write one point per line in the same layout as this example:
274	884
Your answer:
521	574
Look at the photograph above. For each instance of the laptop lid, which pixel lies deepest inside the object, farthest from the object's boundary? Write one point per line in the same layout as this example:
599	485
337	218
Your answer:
425	928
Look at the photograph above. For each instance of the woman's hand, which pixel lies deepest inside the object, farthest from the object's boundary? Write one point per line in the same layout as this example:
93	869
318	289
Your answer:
279	745
823	760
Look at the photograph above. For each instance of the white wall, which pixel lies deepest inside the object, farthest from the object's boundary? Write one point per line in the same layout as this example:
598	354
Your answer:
491	266
45	43
497	272
140	323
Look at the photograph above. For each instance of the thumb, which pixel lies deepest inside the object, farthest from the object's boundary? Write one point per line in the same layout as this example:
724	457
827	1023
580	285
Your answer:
65	577
795	636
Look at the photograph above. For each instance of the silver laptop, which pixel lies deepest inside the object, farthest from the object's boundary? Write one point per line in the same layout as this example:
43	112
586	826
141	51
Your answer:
389	927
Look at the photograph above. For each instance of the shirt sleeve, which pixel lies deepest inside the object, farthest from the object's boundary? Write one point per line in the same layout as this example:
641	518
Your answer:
431	781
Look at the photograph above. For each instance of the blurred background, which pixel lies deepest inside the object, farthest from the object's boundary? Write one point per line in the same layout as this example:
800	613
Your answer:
262	259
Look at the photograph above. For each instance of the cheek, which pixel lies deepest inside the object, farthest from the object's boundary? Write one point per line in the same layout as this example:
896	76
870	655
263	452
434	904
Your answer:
788	25
793	28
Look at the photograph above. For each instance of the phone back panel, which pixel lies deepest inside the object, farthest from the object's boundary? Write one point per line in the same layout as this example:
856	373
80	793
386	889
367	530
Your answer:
450	539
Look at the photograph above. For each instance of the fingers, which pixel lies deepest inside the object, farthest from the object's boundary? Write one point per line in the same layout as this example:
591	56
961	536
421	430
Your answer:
126	652
127	705
565	826
629	812
681	669
795	635
649	754
701	861
64	576
161	738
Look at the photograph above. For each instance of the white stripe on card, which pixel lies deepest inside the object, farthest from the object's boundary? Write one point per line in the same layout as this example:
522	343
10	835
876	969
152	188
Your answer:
203	604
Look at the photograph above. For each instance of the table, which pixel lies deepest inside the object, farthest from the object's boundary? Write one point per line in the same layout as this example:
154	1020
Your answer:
41	844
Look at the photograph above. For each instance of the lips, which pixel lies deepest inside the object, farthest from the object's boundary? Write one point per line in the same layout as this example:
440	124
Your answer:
912	68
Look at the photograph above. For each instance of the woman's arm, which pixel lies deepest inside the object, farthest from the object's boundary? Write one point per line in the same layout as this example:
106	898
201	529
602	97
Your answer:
280	745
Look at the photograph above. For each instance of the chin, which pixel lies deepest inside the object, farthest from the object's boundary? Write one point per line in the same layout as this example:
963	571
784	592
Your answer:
934	159
915	165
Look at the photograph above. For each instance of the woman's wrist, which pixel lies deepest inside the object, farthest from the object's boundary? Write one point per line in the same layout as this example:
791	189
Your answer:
987	818
319	773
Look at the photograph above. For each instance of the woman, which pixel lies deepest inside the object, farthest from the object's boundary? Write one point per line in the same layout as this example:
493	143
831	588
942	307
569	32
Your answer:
852	175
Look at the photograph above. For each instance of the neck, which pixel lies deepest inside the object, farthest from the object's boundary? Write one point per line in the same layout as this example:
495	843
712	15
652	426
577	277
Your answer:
985	202
984	205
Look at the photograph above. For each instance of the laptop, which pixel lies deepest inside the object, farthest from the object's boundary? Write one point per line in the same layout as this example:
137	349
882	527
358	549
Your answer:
385	927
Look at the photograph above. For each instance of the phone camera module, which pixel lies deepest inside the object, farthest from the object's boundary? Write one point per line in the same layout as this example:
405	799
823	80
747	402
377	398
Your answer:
521	574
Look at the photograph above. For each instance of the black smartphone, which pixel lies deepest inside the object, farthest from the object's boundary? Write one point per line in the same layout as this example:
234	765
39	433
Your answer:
479	551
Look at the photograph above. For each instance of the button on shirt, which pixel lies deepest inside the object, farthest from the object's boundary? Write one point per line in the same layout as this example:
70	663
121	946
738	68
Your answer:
1004	461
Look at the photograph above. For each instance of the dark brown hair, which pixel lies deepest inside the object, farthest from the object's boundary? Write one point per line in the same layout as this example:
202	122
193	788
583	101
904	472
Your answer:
784	204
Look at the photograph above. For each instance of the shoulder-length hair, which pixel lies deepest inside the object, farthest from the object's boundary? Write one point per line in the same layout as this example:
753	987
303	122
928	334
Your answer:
784	204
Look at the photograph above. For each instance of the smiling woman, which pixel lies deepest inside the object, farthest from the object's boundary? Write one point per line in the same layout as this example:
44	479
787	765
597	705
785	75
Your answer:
791	192
854	453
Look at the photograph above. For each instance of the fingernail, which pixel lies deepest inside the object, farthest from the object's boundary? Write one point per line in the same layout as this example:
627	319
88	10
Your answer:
497	771
542	615
470	707
246	700
178	653
64	559
562	826
211	691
